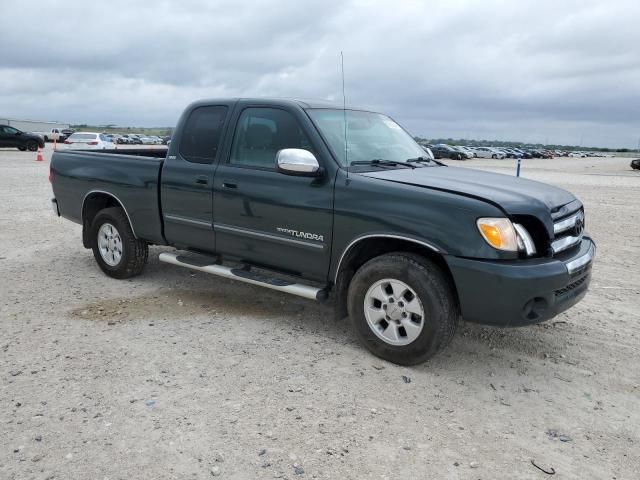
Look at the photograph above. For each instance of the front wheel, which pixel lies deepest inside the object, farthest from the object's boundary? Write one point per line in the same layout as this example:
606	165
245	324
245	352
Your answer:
118	252
402	308
32	146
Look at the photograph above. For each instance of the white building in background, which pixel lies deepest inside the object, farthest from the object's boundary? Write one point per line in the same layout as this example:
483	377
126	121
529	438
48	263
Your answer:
32	125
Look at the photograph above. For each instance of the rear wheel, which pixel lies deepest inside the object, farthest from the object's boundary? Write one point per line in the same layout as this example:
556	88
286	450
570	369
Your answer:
494	156
402	308
118	252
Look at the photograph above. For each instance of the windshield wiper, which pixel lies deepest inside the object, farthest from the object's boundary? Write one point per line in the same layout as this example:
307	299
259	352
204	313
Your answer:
423	159
382	162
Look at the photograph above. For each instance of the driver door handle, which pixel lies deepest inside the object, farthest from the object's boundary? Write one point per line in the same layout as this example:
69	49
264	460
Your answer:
202	180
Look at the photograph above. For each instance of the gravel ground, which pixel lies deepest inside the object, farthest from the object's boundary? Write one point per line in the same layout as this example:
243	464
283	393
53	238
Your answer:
181	375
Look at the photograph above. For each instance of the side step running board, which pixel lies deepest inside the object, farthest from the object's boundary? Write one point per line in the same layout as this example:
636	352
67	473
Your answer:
244	275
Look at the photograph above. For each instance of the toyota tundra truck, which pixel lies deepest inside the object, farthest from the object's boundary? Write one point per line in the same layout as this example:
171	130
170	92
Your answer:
333	204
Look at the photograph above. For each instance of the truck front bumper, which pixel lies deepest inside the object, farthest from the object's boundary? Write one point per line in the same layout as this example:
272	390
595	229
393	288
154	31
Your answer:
522	292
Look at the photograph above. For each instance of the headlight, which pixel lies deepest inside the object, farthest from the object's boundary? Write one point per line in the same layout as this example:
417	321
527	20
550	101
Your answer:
501	234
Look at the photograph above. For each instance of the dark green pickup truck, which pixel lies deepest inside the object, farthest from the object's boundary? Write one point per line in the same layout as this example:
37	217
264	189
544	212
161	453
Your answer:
326	203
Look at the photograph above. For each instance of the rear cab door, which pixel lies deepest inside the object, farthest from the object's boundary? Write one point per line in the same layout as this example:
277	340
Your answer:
187	176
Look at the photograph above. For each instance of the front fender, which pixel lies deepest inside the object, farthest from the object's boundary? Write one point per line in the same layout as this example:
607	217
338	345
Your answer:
442	221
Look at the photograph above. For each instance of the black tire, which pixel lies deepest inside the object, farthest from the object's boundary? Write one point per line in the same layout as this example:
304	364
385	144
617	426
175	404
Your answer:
494	156
22	149
134	252
433	290
32	145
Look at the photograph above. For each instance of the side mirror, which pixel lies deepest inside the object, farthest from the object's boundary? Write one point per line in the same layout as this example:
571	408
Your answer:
296	161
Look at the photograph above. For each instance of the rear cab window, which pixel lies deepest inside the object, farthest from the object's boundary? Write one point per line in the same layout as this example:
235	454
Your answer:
202	133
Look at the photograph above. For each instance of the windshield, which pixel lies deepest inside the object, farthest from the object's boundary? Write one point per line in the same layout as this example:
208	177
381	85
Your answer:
370	136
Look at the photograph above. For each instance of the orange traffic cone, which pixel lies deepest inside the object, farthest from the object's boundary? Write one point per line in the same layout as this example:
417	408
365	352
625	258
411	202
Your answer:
39	156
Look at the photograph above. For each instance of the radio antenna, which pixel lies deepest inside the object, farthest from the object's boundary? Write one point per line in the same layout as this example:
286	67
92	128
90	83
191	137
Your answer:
344	114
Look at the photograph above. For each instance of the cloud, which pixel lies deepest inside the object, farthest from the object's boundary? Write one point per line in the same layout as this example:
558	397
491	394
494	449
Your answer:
526	70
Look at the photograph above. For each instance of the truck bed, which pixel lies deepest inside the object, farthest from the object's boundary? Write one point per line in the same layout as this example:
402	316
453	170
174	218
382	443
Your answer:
136	152
132	176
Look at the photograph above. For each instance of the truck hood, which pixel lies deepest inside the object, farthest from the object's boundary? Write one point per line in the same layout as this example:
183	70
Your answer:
516	196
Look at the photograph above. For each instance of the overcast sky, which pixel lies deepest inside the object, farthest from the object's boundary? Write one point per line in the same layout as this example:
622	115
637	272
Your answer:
561	71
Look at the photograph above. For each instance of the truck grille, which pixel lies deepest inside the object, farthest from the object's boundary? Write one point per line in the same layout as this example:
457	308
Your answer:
568	232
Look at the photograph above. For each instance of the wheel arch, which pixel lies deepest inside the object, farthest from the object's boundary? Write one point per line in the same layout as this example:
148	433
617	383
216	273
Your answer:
93	202
364	248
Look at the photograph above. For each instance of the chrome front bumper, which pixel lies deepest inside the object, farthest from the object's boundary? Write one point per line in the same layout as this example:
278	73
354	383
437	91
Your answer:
582	261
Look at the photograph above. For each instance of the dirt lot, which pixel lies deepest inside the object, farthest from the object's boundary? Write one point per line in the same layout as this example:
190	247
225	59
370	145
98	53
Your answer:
181	375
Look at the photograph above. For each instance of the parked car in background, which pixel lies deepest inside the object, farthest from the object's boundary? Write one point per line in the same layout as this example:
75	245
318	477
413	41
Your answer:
151	140
51	135
506	152
11	137
88	141
467	154
512	153
470	152
166	139
635	164
524	153
488	152
442	150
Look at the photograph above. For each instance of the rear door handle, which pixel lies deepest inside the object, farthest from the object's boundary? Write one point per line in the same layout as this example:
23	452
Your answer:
229	185
202	180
